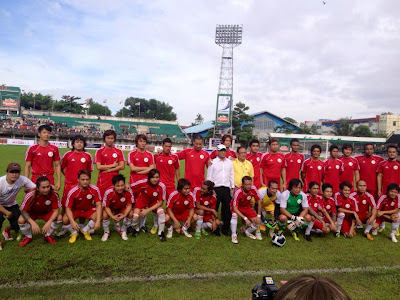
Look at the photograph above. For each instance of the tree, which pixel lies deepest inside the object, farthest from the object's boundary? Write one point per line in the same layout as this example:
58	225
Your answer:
199	120
242	124
124	112
303	128
284	129
362	130
68	104
148	109
293	121
345	128
36	101
97	109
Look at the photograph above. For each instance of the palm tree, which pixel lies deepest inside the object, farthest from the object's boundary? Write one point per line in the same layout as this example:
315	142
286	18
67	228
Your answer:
344	128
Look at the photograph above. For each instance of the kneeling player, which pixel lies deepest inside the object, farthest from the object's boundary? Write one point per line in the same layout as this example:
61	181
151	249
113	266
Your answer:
294	208
388	209
206	204
180	208
150	196
83	201
330	206
347	211
117	205
43	204
366	207
270	197
241	206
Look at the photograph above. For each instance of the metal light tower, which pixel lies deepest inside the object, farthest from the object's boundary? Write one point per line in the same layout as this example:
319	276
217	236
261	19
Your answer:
227	37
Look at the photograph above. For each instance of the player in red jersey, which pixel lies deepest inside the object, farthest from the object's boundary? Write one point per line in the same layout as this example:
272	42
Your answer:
293	161
41	204
140	161
206	204
83	201
333	168
388	209
109	161
347	211
255	158
196	159
330	206
241	207
43	157
117	205
366	207
388	170
227	141
312	168
368	168
180	208
273	165
151	194
351	167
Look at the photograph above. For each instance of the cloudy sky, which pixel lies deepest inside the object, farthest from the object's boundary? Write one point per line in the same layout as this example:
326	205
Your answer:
301	59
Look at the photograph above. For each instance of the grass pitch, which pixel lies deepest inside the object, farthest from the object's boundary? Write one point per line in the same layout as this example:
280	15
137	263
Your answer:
145	257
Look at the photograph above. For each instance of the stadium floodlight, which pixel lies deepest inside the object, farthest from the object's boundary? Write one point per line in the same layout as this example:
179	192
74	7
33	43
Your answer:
228	35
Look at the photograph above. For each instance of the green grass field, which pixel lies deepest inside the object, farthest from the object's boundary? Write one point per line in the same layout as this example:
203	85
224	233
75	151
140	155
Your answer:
359	260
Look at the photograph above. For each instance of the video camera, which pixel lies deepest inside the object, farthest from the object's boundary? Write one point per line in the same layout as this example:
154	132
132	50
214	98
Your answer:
265	290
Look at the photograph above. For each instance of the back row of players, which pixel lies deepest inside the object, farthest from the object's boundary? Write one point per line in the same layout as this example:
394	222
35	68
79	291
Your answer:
150	187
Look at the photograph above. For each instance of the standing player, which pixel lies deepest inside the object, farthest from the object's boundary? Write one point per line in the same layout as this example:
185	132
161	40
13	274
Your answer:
388	170
196	159
333	167
366	207
293	161
227	141
351	167
83	201
312	168
41	204
368	167
273	165
10	185
241	207
43	157
180	208
255	158
109	161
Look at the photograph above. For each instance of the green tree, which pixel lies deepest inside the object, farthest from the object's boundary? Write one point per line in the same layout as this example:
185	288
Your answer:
284	129
303	128
36	101
345	128
199	120
293	121
149	109
124	112
362	130
242	124
68	104
97	109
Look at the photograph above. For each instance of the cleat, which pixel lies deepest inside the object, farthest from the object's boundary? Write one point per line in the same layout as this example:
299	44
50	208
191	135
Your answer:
7	234
50	239
62	232
359	227
271	233
25	241
271	224
186	233
217	232
105	236
204	232
154	230
375	232
381	229
397	233
263	227
295	236
258	235
123	235
368	236
249	235
336	234
162	237
308	237
73	237
393	238
129	230
20	236
144	229
134	233
86	234
234	239
169	233
91	231
197	235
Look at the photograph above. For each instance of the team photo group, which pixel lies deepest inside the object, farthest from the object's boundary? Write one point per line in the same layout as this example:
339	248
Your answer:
265	194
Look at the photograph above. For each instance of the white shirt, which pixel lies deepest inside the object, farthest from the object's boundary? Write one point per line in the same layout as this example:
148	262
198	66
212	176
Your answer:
221	173
8	192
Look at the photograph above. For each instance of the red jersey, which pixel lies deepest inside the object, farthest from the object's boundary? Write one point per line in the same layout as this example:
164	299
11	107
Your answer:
107	156
139	159
315	203
229	154
195	161
255	160
293	163
364	202
346	203
330	205
148	193
167	164
42	159
84	200
180	203
241	199
368	168
40	205
117	201
272	164
350	164
72	162
385	203
390	170
209	201
332	170
313	170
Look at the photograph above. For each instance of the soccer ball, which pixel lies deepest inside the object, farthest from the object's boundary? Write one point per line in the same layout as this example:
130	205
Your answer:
278	239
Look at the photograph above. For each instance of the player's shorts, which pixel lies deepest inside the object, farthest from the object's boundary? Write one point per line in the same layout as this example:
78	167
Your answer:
36	176
44	217
346	225
208	215
169	190
83	214
183	216
140	204
381	220
363	216
248	212
318	225
117	211
104	182
67	188
373	193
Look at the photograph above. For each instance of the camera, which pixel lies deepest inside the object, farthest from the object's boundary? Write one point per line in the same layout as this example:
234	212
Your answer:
265	290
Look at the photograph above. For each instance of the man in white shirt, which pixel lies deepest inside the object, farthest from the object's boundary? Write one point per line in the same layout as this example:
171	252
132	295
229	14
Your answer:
221	173
10	184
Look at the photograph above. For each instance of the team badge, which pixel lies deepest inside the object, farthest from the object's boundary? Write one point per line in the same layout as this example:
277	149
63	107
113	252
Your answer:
347	206
248	197
205	202
279	160
299	201
155	194
83	160
364	201
328	207
258	159
89	197
373	162
123	199
299	161
337	167
170	162
146	159
186	202
395	167
392	204
115	155
48	202
319	168
50	154
201	156
315	205
350	164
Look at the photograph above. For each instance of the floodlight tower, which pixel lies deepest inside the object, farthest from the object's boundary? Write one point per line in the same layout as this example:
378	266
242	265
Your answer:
227	37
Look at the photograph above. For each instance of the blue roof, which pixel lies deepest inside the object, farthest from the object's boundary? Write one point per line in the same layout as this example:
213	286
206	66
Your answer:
199	128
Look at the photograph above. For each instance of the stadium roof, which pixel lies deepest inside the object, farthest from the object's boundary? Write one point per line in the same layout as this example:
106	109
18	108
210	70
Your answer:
394	138
332	138
269	113
199	128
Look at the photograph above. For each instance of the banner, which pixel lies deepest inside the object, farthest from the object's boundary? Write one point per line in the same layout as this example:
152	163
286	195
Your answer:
9	103
224	109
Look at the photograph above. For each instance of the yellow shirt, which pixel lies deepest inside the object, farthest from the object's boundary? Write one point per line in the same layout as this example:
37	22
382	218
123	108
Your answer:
241	169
